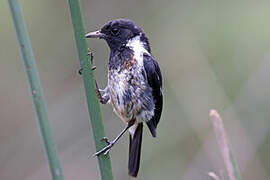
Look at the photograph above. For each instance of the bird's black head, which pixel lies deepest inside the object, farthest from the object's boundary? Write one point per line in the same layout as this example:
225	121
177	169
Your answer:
118	32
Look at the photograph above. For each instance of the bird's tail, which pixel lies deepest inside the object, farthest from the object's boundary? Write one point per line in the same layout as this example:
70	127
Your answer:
135	143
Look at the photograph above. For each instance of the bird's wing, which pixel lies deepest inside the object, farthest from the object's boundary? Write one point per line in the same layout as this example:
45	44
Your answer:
154	79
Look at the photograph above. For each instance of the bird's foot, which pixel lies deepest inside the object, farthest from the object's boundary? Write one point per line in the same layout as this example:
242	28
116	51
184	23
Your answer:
89	53
106	140
106	149
91	58
80	71
99	96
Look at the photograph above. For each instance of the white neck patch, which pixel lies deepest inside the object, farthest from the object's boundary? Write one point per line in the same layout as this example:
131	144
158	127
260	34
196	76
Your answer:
138	47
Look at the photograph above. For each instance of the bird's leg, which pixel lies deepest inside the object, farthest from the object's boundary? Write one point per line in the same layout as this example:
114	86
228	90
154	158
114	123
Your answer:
89	53
110	144
102	99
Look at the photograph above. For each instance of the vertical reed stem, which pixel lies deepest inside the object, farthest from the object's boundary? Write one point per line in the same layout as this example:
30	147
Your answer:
36	90
89	84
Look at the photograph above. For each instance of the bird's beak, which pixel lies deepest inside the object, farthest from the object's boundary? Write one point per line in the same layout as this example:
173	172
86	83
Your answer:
96	34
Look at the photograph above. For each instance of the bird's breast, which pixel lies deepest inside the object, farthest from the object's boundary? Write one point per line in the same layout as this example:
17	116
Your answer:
130	94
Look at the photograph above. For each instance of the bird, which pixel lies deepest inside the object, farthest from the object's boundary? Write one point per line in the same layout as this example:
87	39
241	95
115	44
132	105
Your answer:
134	87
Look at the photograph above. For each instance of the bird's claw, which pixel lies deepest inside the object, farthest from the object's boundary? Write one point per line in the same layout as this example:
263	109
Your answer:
81	69
89	53
91	58
105	150
99	96
106	140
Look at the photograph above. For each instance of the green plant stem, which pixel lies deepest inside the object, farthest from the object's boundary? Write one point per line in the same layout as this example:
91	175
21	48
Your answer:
89	84
36	90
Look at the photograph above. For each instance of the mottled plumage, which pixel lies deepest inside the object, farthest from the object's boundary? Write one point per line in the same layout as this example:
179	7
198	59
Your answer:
134	83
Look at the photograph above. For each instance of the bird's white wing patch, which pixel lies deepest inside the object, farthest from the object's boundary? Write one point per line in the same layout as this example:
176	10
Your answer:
138	47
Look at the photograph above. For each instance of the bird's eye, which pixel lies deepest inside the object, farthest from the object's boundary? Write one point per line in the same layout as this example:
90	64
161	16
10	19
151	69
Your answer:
107	27
115	31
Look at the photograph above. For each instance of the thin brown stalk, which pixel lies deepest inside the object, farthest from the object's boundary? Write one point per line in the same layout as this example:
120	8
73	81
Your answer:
230	163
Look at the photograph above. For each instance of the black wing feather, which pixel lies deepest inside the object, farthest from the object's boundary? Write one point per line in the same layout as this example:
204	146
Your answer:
154	79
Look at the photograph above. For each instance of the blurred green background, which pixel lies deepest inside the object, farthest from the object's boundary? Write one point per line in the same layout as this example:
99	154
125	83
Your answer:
213	54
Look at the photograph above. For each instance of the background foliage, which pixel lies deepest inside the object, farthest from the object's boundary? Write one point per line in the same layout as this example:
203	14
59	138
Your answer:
213	54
